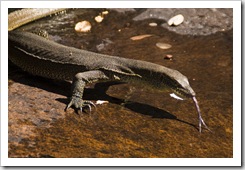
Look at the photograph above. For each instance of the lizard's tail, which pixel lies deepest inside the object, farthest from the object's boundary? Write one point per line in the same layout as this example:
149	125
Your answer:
26	15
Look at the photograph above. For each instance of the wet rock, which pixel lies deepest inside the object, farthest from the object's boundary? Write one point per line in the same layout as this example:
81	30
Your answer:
198	21
103	44
137	122
123	10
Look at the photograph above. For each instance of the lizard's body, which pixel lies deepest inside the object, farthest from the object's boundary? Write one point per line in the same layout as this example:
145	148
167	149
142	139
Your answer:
46	58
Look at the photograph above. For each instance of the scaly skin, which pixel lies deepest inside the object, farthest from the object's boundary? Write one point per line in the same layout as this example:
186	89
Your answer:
46	58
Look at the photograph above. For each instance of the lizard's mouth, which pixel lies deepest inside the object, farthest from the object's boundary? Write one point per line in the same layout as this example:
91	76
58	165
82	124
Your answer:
181	94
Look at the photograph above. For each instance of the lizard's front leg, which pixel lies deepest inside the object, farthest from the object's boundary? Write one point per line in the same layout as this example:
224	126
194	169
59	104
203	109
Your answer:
78	86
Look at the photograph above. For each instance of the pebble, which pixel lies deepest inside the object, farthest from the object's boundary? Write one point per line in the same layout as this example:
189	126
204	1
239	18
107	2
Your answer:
83	26
140	37
176	20
105	12
163	46
98	18
168	57
153	24
101	102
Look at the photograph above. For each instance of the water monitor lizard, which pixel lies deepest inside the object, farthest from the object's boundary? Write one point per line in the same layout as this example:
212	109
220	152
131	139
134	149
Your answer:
46	58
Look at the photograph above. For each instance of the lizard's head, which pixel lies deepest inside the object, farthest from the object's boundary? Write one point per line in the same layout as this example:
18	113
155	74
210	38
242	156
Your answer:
178	84
183	88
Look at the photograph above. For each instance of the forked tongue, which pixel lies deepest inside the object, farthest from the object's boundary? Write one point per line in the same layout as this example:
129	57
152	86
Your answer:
201	121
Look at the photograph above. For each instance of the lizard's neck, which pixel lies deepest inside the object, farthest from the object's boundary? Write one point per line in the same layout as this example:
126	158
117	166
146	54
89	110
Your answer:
160	77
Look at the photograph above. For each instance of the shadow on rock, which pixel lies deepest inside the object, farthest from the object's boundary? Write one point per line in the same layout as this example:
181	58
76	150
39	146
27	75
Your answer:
96	93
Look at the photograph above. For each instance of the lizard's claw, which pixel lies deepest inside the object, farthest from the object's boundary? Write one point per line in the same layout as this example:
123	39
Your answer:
79	103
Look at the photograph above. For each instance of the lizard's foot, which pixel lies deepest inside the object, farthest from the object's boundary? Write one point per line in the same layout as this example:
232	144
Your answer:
79	103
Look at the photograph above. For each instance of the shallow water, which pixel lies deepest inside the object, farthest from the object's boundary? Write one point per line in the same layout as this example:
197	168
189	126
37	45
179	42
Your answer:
137	122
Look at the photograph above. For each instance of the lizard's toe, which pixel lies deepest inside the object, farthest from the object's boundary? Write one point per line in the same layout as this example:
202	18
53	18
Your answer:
79	103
